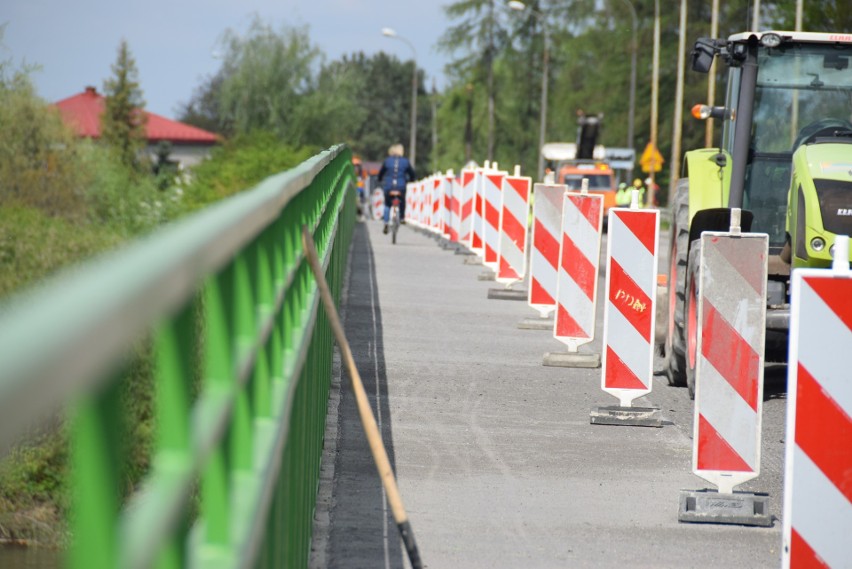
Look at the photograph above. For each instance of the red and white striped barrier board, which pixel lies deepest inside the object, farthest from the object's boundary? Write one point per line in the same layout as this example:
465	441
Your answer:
631	280
493	202
544	256
425	204
512	242
437	224
465	202
451	209
410	201
818	471
476	215
731	325
577	276
378	201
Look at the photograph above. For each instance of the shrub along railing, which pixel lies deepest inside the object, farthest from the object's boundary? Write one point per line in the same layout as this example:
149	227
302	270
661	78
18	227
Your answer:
243	355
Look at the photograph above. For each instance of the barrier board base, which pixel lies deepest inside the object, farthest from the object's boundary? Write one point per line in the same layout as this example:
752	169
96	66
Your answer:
629	416
462	250
572	359
711	507
487	275
448	245
508	294
536	324
472	260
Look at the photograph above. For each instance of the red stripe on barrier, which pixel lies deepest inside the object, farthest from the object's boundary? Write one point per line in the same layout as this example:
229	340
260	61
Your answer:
630	300
513	228
538	295
466	208
730	354
547	244
714	452
506	271
467	177
579	268
618	375
490	254
802	554
492	215
567	326
643	226
591	211
519	186
835	293
824	432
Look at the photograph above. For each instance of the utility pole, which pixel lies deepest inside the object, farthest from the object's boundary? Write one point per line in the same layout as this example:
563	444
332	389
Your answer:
711	78
655	87
755	16
434	152
677	127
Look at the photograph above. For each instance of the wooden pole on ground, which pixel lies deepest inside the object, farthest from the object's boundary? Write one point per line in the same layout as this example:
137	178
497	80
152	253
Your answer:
368	421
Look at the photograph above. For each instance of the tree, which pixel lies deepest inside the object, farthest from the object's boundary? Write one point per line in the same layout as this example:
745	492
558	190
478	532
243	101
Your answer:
482	37
123	121
39	155
264	74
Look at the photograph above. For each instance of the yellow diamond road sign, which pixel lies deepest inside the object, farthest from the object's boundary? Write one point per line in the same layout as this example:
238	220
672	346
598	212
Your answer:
651	159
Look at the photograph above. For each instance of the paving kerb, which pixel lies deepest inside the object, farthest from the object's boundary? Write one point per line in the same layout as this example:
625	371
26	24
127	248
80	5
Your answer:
496	461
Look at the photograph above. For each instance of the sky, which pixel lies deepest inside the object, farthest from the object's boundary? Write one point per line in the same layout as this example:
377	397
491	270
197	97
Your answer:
75	42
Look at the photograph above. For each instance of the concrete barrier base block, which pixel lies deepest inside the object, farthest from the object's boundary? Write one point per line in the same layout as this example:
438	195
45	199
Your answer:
472	260
536	324
629	416
711	507
572	359
487	275
507	294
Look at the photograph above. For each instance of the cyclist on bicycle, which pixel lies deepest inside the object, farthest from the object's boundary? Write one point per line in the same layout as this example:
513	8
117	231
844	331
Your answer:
396	171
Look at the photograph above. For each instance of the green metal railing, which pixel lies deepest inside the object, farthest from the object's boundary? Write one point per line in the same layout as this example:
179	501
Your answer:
243	366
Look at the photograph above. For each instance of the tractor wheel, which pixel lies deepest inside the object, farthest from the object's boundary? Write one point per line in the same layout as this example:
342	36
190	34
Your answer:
675	346
691	314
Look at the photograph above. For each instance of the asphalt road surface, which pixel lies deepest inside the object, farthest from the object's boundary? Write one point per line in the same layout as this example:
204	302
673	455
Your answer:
497	462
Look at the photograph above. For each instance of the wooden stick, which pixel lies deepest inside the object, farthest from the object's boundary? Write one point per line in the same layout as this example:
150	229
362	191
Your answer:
368	422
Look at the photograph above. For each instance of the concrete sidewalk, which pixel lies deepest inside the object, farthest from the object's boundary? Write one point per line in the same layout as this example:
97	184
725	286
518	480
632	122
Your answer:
497	463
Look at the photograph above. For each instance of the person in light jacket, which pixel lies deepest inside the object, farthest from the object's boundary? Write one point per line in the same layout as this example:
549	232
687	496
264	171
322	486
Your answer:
396	171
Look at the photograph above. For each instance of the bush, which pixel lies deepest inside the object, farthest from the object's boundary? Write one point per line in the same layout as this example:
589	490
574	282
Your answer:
240	164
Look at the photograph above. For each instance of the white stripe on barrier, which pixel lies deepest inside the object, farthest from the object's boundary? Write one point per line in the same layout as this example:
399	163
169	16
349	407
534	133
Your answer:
476	244
512	245
822	502
544	257
627	361
493	202
729	368
722	405
579	259
834	338
466	206
818	463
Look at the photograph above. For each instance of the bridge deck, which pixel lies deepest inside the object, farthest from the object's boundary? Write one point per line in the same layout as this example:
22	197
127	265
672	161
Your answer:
496	460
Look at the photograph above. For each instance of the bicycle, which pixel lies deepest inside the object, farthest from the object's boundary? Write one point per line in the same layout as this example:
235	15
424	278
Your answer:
394	213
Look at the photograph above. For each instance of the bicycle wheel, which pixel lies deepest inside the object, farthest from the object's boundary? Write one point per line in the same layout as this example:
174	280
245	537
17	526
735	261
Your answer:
395	226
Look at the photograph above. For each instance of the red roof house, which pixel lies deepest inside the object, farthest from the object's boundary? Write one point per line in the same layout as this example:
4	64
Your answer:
190	144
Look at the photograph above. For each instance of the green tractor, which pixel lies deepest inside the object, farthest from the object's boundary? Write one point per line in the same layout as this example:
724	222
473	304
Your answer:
785	160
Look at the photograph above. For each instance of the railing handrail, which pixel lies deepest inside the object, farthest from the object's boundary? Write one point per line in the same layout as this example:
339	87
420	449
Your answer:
97	304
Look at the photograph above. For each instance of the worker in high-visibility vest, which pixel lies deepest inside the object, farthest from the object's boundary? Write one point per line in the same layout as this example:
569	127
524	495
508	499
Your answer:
638	185
622	195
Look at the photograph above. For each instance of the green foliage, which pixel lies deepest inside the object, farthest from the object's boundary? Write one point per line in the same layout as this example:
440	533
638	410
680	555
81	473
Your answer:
239	164
123	121
38	158
124	200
